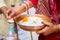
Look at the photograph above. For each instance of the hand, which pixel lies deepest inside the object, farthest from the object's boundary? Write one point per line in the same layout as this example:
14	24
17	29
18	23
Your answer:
12	13
50	28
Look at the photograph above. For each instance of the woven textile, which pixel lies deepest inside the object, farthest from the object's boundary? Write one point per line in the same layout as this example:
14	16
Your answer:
45	7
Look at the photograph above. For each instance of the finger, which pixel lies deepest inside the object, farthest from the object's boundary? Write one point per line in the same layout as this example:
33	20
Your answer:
16	16
48	23
42	31
8	12
12	14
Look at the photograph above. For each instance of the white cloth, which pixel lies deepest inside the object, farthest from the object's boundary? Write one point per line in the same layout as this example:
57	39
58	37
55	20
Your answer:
2	3
22	34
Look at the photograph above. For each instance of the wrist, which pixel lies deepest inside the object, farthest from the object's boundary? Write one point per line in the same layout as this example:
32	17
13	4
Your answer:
24	7
21	9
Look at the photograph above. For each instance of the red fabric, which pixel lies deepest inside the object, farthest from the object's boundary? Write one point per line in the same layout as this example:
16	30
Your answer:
58	5
55	7
53	36
35	2
54	10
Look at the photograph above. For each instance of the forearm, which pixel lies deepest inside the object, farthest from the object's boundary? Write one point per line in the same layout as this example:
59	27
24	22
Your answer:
24	7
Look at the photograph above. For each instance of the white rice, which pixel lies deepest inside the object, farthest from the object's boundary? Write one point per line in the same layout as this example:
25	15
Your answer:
32	21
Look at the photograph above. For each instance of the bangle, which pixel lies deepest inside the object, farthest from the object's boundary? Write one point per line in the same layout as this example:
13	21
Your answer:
25	6
27	3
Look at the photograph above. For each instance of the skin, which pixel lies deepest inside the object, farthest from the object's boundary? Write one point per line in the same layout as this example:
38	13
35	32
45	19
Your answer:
50	28
15	12
4	9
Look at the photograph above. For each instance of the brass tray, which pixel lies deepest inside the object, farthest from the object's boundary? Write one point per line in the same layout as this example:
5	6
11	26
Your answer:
32	28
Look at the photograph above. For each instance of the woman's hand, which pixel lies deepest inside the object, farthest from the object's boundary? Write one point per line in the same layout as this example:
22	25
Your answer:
50	28
12	13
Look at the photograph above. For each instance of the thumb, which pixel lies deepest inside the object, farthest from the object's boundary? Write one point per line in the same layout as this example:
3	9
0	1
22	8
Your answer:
42	31
48	23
